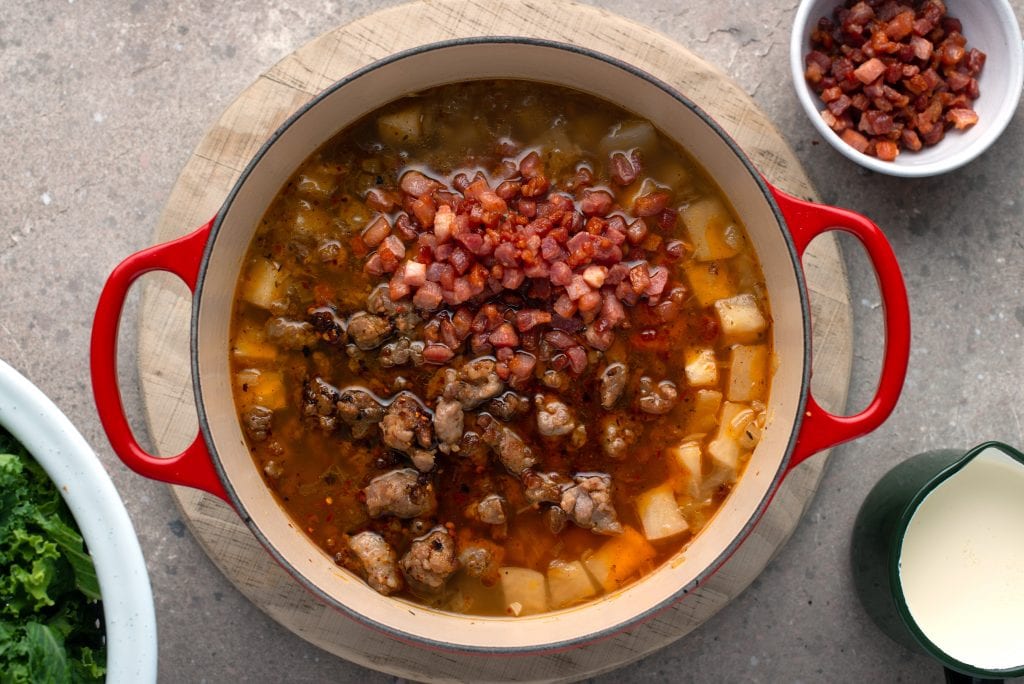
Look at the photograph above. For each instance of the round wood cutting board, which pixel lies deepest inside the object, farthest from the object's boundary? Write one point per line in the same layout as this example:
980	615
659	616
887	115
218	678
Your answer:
214	166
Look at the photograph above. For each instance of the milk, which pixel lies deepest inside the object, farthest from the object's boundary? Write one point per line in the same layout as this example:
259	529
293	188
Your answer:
962	563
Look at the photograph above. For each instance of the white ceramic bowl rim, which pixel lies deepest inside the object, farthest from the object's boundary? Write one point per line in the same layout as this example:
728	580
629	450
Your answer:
906	164
439	643
128	613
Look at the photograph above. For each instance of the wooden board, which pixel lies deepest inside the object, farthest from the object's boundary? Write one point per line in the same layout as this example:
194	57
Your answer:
217	162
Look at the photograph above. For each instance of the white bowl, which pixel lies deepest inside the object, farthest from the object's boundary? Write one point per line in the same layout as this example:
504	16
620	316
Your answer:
990	26
128	614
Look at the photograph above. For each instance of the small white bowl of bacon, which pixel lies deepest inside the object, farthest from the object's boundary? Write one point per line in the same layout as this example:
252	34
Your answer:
908	88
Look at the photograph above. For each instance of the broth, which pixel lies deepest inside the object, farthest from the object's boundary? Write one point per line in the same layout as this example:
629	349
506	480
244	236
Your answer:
500	347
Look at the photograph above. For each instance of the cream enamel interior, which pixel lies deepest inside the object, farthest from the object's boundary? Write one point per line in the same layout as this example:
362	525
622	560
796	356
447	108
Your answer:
467	62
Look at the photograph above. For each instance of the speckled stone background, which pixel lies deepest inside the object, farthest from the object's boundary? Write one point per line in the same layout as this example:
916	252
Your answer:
100	105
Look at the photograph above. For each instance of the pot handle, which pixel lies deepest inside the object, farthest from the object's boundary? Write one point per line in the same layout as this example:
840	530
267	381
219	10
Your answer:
821	429
193	467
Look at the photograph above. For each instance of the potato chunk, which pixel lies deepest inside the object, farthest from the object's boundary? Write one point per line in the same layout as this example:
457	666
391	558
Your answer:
525	591
701	367
569	583
620	558
741	318
260	285
709	280
403	127
660	514
262	388
250	345
712	230
748	372
704	418
688	457
725	448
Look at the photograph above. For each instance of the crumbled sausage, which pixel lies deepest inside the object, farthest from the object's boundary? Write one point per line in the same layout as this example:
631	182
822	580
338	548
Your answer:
430	561
613	384
328	326
289	334
491	510
257	420
400	493
508	406
479	561
406	427
319	403
618	433
448	424
543	487
588	503
474	383
657	399
368	331
511	450
360	411
379	560
554	419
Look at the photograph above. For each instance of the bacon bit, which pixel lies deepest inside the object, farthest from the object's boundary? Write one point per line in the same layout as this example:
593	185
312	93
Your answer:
416	184
886	150
962	118
650	204
595	276
444	219
504	336
596	202
375	233
622	170
428	297
639	278
415	273
855	140
869	71
527	319
522	364
437	353
577	288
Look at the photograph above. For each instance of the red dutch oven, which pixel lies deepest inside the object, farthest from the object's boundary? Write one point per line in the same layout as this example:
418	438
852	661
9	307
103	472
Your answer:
209	261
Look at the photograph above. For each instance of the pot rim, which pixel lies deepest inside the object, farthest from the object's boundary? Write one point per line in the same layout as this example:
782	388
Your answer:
639	617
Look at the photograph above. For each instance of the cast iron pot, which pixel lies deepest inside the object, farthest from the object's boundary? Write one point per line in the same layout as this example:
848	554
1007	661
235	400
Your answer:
209	261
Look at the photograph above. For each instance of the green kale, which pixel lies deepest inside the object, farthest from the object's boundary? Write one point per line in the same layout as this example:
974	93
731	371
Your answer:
50	615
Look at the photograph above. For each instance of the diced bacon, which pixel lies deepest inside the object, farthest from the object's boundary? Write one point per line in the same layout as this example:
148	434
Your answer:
595	276
612	311
375	233
437	353
577	288
590	301
560	273
528	319
522	364
855	140
962	118
444	219
504	336
870	70
659	279
415	273
652	203
512	278
639	278
428	297
564	306
416	184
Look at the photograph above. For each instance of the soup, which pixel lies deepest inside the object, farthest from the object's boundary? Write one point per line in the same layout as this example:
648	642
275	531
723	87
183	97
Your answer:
500	348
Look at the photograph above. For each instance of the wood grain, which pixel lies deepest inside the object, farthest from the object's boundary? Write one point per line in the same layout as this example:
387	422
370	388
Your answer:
216	163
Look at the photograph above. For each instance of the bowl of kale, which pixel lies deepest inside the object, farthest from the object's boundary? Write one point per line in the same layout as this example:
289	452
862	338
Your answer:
75	599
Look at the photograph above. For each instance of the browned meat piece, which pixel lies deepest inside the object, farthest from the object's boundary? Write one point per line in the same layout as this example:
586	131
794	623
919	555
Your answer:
474	383
257	420
423	459
380	562
406	425
543	487
589	504
289	334
359	410
319	403
479	561
554	419
618	433
401	312
657	399
401	352
508	406
511	450
401	494
491	510
368	331
430	561
556	519
328	326
448	424
613	384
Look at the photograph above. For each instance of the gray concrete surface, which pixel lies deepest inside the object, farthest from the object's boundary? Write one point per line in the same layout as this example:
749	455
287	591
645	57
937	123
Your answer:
102	103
